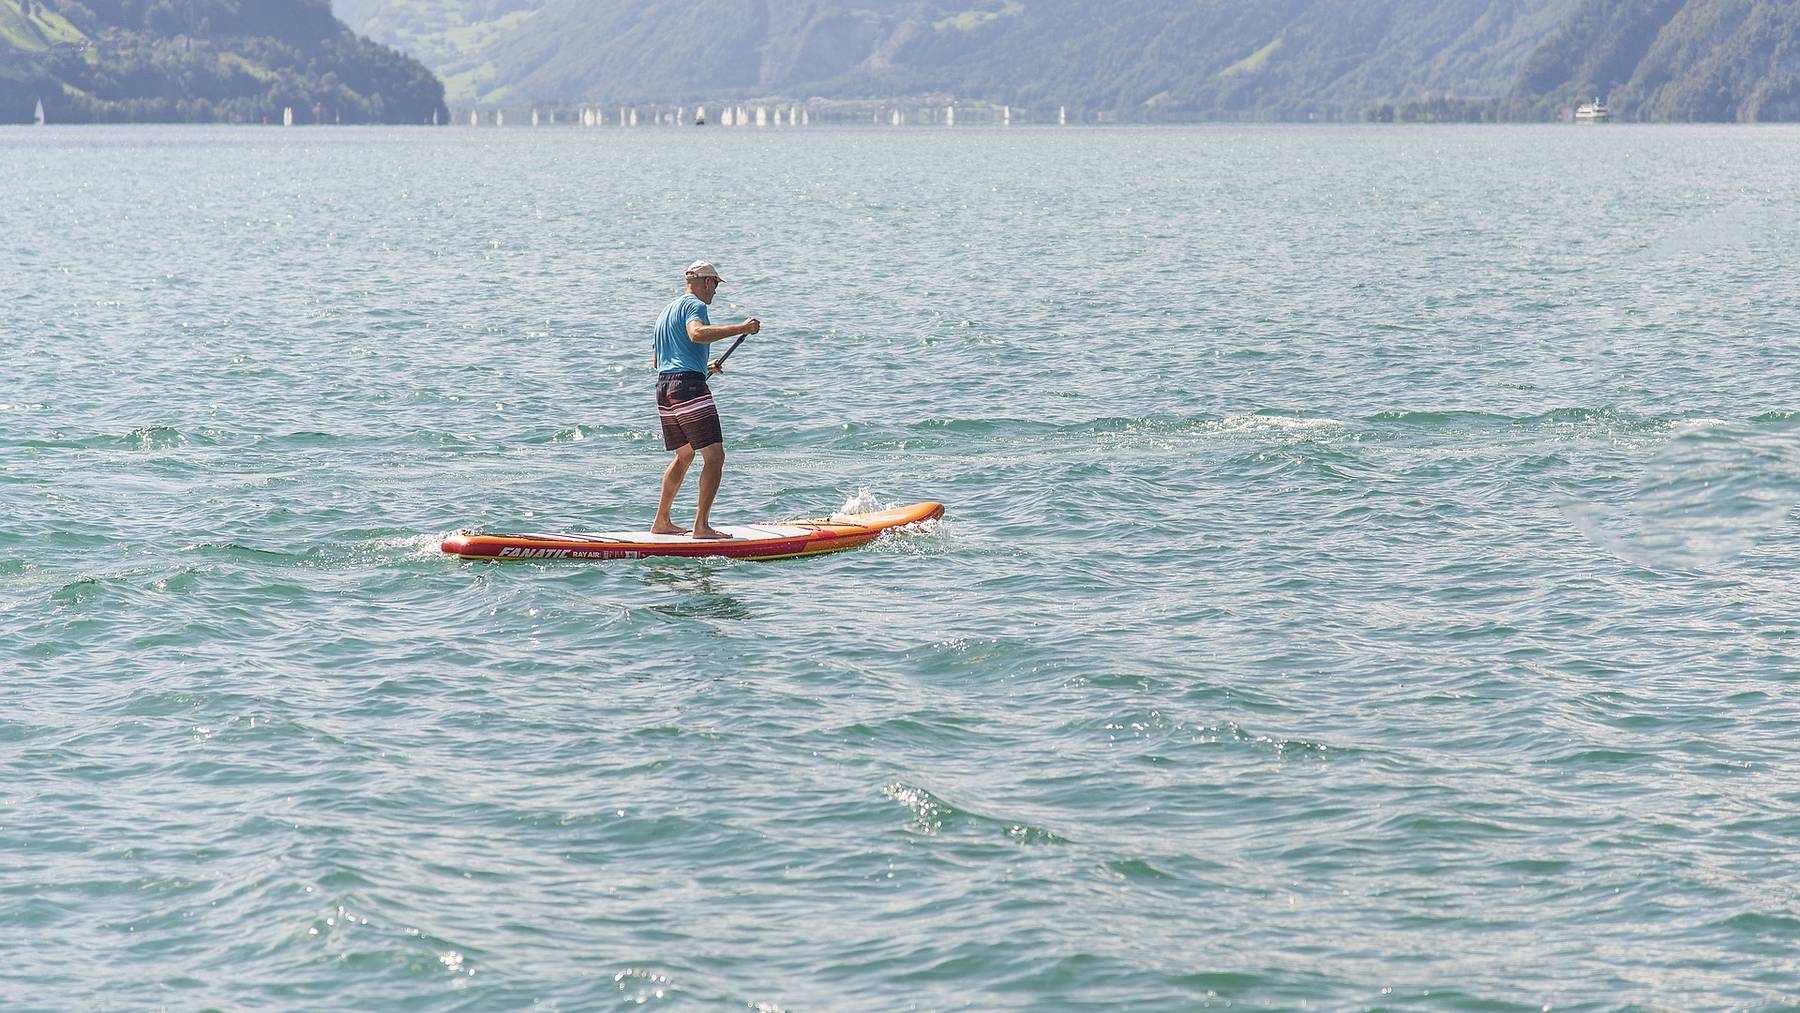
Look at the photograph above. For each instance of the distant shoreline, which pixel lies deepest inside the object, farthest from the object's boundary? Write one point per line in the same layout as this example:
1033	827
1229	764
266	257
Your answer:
510	126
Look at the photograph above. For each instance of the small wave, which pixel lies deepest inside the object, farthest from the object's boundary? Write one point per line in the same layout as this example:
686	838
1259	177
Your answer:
974	427
1694	424
77	590
235	549
931	814
1439	419
152	438
402	547
1575	421
1157	727
1265	422
578	433
387	548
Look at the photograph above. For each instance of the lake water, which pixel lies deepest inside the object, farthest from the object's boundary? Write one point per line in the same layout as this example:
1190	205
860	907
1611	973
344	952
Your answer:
1369	575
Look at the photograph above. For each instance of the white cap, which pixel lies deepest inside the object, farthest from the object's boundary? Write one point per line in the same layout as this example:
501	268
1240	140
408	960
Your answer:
703	269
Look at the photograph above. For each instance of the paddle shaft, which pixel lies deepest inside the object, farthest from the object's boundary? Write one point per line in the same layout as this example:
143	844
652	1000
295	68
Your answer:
733	348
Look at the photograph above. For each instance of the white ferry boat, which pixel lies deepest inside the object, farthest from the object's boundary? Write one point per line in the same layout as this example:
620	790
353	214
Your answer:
1592	112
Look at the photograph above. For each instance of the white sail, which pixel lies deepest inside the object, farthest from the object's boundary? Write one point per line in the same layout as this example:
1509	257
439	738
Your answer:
40	113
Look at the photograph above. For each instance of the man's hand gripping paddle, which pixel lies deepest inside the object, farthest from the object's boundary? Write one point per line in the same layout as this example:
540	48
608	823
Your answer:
717	366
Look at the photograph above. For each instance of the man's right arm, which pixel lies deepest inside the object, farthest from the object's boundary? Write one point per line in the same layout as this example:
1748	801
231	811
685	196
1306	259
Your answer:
703	334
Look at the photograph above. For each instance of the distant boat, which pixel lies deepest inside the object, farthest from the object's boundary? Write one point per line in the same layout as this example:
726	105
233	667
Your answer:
700	117
287	116
40	113
1592	112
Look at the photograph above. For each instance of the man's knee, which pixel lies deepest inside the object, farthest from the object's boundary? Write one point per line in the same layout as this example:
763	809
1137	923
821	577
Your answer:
685	453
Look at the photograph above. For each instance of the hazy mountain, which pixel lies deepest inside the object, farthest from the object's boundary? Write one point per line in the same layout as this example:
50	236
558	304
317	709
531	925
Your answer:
449	36
1137	59
202	60
1675	59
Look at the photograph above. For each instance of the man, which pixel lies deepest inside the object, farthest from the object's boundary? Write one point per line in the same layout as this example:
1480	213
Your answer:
689	421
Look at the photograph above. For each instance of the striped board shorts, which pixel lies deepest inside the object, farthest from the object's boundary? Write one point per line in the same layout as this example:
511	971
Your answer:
685	405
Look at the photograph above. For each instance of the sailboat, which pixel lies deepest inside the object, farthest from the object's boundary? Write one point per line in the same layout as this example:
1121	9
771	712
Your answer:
40	112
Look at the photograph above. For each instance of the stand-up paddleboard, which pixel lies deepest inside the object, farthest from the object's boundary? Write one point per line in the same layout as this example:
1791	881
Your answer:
778	540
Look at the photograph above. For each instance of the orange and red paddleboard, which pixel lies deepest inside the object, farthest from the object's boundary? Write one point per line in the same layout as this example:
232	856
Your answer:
777	540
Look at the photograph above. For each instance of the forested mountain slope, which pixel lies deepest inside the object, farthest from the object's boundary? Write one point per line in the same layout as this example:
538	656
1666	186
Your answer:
202	60
1130	60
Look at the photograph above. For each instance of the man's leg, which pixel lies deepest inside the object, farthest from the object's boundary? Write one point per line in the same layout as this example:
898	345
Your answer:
671	484
712	466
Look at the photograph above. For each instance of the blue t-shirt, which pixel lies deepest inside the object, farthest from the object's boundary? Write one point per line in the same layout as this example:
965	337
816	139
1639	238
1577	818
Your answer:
674	351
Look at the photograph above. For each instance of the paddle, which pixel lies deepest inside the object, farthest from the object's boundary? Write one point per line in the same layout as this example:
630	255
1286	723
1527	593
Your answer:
734	346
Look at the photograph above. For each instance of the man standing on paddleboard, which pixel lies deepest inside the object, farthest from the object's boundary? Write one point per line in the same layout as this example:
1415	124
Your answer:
689	421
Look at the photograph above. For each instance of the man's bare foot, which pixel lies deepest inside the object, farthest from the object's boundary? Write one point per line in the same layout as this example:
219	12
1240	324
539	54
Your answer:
709	532
667	529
